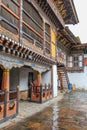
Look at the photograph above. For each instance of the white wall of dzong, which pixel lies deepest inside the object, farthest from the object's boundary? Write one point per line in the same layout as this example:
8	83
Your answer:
46	78
55	79
19	77
79	78
23	81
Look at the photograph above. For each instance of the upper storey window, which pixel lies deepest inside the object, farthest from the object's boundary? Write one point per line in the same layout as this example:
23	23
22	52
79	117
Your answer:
75	62
11	5
47	38
47	32
32	12
32	17
10	15
32	23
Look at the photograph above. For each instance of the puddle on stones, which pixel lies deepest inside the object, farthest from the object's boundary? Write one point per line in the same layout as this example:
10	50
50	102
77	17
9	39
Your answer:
68	114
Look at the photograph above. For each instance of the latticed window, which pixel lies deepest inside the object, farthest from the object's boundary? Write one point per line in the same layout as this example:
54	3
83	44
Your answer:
75	64
32	23
75	58
8	20
9	16
47	38
32	12
11	5
47	32
47	48
33	35
75	61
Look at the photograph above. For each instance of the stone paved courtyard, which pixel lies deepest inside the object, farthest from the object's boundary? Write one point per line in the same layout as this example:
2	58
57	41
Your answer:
70	113
27	109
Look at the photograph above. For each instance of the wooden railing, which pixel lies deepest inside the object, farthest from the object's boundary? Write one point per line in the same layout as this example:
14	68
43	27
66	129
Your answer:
8	105
42	93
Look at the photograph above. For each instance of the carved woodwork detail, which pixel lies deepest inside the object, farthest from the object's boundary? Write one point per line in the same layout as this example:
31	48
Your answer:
67	10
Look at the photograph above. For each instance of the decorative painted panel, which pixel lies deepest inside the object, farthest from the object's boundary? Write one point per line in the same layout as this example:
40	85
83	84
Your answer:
53	41
53	50
53	36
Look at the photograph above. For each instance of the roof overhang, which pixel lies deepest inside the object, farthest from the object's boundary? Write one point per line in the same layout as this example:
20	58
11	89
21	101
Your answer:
81	47
67	38
67	10
52	12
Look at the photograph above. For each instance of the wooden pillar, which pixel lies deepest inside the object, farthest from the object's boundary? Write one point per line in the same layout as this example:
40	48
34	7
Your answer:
6	80
39	80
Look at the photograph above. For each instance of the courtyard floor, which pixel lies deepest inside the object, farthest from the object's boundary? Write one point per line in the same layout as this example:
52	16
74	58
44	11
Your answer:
69	113
28	109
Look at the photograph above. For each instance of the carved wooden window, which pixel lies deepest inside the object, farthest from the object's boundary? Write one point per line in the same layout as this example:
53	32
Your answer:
47	38
47	32
32	12
47	48
11	5
32	36
76	58
70	61
8	16
9	11
75	61
33	24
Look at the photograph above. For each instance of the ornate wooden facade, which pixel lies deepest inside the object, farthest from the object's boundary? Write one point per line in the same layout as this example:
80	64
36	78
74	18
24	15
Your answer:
33	34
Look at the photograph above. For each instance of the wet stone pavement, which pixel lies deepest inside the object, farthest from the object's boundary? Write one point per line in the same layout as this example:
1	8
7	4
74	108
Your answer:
68	114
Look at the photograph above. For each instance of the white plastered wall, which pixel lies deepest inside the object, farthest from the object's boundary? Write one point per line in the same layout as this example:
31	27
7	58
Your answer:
79	79
46	78
55	78
23	80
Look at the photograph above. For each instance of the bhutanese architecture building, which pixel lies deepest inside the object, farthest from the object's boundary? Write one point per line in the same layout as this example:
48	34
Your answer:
36	51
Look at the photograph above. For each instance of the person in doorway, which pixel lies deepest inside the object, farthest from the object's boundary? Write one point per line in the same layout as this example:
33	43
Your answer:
30	87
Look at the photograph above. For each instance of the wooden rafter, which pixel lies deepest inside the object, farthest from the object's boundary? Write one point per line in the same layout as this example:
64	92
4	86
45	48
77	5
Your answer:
67	10
48	6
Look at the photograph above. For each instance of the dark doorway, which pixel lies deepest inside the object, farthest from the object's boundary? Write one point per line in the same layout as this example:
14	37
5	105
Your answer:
1	75
30	80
